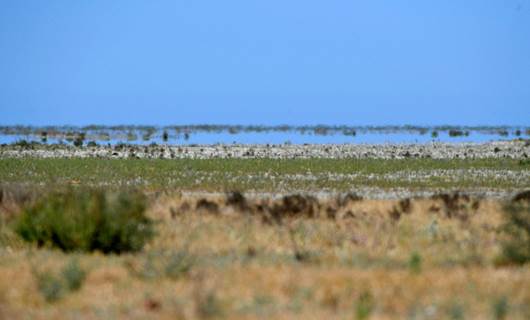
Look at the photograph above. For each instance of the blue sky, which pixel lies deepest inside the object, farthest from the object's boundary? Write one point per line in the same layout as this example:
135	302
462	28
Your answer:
265	62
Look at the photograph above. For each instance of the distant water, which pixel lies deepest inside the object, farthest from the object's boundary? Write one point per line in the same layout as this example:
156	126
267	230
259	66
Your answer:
274	137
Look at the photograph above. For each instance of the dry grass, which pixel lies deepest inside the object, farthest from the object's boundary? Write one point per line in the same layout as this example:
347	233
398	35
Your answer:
315	262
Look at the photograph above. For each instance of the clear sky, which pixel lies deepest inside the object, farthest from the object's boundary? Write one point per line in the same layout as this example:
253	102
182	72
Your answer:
265	62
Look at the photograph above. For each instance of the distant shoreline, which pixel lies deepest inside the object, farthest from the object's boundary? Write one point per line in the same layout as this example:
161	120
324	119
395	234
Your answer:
256	134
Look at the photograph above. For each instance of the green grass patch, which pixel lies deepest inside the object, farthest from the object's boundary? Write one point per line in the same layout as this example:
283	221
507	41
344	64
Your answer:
258	174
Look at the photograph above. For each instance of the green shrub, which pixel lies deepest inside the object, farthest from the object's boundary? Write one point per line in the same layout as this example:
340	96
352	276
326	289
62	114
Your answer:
87	220
364	306
500	308
516	245
54	286
73	275
50	286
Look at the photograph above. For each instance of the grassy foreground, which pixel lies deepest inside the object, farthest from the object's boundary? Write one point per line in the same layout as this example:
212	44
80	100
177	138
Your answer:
430	260
290	175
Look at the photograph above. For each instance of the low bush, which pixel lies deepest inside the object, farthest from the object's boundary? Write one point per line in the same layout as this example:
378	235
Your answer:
54	286
87	220
73	275
50	286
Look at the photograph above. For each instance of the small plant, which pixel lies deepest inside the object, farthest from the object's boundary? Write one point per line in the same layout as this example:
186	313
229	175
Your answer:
500	308
179	264
207	304
456	311
516	245
415	263
73	275
299	253
364	306
50	286
87	220
209	307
